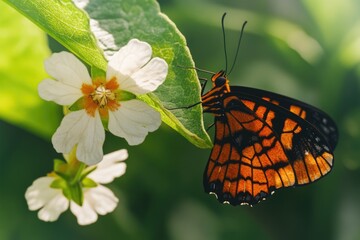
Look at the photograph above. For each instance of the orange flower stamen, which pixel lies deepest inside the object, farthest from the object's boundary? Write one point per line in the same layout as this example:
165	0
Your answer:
100	96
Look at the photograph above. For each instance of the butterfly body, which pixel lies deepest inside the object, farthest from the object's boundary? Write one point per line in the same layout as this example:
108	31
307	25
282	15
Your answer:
263	141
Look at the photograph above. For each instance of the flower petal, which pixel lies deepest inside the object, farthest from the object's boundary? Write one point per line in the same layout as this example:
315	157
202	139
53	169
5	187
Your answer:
52	210
98	200
56	91
85	214
148	78
66	68
102	199
110	167
86	131
41	195
133	120
129	58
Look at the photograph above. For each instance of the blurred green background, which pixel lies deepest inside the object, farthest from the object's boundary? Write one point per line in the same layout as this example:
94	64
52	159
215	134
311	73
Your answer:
309	50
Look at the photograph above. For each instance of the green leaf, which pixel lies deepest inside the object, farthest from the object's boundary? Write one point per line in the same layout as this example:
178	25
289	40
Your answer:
124	20
23	50
114	23
65	23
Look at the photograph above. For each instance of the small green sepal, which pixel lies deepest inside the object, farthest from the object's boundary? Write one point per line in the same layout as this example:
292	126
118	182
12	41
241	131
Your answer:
87	171
89	183
122	95
76	193
60	165
59	183
97	73
78	105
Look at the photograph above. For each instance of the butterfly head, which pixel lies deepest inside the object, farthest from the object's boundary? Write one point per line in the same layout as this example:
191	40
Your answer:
220	80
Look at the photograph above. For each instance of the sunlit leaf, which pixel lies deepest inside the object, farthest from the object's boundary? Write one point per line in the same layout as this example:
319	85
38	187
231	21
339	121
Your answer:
65	23
23	50
114	23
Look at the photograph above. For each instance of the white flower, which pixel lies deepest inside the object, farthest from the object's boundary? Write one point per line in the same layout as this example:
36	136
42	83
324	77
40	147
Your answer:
97	200
51	201
130	72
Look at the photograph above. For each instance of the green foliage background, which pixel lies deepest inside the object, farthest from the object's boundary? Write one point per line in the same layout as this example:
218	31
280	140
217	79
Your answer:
305	49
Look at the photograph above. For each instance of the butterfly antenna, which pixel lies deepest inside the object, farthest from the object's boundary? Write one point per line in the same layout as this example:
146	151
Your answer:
197	69
224	40
238	46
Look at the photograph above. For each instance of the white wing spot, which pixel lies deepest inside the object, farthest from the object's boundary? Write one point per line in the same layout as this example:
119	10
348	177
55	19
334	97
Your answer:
212	193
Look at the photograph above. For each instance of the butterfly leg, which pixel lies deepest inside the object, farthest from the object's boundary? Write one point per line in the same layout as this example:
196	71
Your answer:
210	126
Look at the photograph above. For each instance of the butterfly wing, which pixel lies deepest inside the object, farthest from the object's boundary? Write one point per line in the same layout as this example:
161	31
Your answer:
261	145
314	116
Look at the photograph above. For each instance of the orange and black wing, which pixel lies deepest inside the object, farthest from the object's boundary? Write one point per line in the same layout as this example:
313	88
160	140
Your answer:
262	145
318	118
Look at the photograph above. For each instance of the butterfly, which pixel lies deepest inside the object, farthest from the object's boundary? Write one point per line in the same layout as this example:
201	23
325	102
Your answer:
263	141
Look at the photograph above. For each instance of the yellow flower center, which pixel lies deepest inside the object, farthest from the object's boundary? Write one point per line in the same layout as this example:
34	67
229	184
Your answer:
100	95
